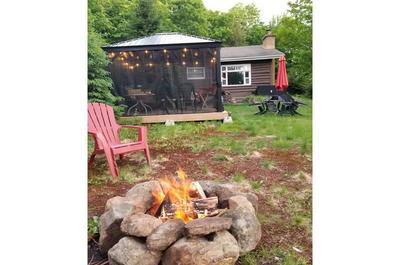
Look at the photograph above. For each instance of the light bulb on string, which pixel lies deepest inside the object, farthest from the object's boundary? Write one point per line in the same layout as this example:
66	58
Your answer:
196	62
167	63
196	53
184	50
137	65
146	51
183	62
165	51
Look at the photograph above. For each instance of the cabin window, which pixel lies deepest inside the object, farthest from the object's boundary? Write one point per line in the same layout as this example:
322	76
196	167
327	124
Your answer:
195	73
236	75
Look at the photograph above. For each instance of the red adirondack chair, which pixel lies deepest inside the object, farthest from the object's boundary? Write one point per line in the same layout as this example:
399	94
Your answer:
105	131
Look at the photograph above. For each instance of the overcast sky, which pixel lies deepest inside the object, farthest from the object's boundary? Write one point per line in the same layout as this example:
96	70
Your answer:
268	8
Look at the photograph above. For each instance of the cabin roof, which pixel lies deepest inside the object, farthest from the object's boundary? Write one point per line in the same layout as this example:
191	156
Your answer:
248	53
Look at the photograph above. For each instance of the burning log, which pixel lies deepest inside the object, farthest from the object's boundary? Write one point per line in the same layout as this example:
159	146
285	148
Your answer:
206	204
199	189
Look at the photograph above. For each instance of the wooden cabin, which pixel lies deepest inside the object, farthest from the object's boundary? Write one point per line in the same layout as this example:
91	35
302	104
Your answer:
246	67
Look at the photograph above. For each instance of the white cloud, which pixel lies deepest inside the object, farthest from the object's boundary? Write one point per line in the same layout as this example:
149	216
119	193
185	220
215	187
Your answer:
268	8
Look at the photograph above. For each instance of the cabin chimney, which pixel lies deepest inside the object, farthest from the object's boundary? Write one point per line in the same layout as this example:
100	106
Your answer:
268	41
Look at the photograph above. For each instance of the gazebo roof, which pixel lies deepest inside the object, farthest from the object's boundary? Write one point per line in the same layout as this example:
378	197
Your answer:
162	39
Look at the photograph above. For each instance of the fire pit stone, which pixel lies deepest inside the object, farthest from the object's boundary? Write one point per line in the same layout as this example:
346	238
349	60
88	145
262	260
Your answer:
240	201
110	222
245	228
142	195
208	225
130	250
165	234
140	225
221	249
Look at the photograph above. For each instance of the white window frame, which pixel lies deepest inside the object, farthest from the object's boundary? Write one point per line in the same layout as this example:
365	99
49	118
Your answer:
196	78
226	71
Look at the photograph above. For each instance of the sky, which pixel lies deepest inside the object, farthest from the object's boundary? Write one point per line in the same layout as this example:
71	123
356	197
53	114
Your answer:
268	8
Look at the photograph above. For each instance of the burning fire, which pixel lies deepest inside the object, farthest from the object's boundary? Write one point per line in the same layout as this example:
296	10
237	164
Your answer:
176	200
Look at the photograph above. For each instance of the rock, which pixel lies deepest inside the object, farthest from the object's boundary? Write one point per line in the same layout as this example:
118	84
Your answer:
118	201
245	228
252	198
142	195
236	188
140	225
221	249
210	187
131	251
225	194
240	201
109	226
208	225
166	234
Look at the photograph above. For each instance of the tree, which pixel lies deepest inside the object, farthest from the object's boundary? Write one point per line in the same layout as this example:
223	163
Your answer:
242	18
294	37
99	82
189	16
145	20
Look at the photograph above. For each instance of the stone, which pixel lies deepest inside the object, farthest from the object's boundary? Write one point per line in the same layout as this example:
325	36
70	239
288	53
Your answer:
109	225
142	196
139	225
208	225
240	201
220	248
245	228
131	251
210	187
118	201
165	234
224	195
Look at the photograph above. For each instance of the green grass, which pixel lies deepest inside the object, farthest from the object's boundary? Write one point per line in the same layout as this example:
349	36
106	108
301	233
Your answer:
256	185
238	177
246	134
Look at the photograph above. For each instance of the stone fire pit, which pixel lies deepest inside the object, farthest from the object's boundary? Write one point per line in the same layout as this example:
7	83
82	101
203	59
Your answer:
131	235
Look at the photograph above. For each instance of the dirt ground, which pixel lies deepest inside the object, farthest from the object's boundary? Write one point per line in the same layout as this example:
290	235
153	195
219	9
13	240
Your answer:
284	191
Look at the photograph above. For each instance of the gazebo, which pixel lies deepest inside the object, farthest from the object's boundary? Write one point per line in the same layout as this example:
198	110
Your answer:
168	76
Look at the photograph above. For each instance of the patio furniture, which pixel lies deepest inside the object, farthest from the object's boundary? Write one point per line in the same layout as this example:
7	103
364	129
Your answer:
105	131
187	96
138	105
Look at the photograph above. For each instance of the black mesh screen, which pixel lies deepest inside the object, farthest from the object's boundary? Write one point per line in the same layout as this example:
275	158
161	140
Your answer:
166	81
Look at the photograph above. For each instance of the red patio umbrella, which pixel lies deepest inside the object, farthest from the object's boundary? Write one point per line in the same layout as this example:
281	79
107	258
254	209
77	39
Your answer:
282	80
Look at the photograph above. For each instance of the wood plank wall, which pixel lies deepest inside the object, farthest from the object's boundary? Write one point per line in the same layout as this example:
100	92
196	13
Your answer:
261	74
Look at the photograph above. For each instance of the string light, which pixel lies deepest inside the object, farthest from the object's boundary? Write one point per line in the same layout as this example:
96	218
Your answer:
150	64
196	53
137	57
122	58
183	55
146	51
183	62
165	51
137	65
196	62
131	54
184	50
167	63
215	52
131	67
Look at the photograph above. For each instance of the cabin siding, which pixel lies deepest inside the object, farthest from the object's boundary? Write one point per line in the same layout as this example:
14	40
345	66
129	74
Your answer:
261	74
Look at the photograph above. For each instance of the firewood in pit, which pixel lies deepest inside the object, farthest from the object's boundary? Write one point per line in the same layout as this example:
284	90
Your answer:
199	189
207	203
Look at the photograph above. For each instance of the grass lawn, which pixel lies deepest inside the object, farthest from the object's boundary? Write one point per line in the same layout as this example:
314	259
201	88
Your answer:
270	153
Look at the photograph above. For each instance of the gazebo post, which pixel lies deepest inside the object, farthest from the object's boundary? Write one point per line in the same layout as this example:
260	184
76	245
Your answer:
220	106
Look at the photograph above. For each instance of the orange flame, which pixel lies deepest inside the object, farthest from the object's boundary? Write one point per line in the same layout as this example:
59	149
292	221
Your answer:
177	191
